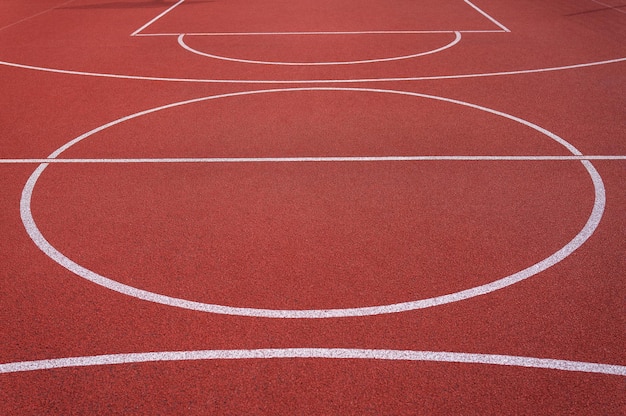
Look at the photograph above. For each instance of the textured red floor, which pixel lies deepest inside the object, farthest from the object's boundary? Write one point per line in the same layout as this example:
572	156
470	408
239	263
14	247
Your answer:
311	235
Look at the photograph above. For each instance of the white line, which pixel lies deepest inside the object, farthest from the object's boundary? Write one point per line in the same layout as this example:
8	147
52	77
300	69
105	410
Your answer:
361	32
366	32
324	159
312	81
35	15
484	31
457	39
500	25
609	6
319	353
156	18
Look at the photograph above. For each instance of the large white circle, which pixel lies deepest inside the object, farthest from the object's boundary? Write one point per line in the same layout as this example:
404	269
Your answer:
565	251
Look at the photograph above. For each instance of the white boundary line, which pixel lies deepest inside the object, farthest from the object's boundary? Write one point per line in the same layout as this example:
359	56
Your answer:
157	18
457	39
500	25
182	43
144	27
588	229
615	8
364	32
319	353
313	81
36	15
323	159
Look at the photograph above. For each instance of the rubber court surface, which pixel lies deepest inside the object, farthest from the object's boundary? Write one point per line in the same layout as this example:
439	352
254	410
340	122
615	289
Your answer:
331	207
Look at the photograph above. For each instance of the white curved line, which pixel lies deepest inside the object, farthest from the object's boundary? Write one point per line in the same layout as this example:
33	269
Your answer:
318	353
181	42
590	226
322	159
311	81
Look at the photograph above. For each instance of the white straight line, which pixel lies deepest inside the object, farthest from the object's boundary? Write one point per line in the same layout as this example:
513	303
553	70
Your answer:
368	32
156	18
147	35
36	15
500	25
361	32
319	353
484	31
317	159
609	6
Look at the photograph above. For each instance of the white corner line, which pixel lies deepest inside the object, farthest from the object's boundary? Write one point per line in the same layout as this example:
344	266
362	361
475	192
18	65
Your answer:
500	25
319	353
321	159
136	32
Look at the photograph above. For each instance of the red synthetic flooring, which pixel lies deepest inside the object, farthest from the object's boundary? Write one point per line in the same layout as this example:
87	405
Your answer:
482	120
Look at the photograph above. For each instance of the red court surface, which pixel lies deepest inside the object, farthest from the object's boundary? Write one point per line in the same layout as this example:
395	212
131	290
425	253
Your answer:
332	207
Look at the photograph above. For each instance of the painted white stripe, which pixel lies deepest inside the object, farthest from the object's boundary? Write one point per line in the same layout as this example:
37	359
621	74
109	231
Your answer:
156	18
319	159
137	32
181	42
500	25
616	8
312	81
360	32
36	15
319	353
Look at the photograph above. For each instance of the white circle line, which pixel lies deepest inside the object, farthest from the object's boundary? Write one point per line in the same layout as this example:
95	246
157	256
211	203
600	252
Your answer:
317	353
590	226
311	81
181	42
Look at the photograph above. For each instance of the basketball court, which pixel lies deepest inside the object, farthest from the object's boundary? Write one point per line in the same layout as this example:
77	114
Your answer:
332	207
